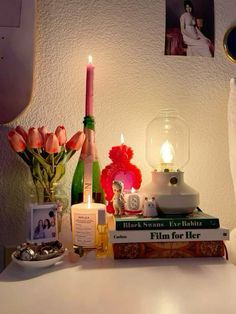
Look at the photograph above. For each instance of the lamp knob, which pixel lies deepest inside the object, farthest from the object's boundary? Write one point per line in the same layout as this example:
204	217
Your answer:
173	180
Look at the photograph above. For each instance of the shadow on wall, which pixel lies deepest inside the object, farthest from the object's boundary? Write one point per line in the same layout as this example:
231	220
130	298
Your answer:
13	196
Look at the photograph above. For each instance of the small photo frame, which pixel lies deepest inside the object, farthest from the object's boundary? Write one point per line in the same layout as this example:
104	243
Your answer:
43	222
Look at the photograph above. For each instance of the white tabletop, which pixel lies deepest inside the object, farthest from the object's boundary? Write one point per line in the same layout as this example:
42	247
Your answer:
92	286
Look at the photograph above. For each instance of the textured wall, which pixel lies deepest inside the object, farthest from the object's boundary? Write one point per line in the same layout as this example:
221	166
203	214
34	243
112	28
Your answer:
133	81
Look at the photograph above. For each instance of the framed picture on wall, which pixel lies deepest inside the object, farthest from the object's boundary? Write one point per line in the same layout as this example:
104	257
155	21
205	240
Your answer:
190	29
43	222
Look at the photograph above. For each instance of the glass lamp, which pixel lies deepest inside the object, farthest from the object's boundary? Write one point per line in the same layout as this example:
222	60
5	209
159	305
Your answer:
167	152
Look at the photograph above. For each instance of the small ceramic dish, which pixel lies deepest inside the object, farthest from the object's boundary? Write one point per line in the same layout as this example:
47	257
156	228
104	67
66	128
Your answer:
38	264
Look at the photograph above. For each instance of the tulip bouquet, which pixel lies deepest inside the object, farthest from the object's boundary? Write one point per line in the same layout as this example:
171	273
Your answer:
46	154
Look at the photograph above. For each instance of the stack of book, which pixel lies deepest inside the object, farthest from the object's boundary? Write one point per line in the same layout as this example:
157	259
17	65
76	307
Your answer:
193	235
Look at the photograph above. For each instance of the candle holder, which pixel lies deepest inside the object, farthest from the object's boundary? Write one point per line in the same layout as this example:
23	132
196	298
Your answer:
133	202
167	152
121	169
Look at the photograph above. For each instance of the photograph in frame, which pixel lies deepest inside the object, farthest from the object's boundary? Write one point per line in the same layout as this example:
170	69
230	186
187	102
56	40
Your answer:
190	28
43	222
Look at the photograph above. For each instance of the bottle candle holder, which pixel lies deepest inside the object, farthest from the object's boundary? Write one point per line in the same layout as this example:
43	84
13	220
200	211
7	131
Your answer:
86	179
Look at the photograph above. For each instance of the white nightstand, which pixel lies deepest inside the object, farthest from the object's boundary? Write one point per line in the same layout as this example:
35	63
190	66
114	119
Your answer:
150	286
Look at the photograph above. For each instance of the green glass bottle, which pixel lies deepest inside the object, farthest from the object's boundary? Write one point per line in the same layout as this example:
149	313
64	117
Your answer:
86	179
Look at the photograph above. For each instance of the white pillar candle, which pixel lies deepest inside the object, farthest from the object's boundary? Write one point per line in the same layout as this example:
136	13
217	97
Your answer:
84	222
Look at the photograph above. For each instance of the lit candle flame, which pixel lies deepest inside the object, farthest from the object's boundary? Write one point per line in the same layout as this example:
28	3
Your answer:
167	152
132	190
90	59
89	202
122	140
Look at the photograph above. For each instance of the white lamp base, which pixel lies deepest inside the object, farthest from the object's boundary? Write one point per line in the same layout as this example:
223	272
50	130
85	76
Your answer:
172	194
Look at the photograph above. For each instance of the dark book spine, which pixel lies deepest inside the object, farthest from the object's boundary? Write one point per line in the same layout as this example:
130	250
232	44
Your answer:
169	250
173	223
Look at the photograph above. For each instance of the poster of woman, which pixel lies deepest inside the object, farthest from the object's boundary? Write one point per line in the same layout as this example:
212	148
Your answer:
189	28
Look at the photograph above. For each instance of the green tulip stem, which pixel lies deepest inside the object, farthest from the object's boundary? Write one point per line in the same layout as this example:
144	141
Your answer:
69	155
53	165
43	162
41	181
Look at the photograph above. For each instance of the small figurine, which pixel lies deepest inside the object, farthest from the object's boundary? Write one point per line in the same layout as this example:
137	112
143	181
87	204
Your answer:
118	200
150	207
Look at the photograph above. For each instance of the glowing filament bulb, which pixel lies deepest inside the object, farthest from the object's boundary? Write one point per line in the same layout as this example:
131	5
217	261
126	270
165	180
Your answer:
167	152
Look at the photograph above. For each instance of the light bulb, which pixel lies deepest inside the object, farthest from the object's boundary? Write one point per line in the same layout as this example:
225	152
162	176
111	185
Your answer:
167	142
167	152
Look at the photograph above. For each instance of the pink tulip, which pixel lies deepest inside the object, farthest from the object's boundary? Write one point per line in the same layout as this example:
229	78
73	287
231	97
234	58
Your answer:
43	131
46	137
76	142
16	141
35	139
61	134
19	129
52	143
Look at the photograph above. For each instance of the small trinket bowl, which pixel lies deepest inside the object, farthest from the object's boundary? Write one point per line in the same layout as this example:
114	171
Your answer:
33	255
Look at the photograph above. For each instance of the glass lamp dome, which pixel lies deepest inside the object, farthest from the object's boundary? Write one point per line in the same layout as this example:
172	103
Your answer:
167	142
167	152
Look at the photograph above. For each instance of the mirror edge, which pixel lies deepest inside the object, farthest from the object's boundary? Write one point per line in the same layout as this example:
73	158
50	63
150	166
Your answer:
228	54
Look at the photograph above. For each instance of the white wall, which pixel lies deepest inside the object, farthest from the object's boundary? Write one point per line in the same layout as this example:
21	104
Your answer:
133	81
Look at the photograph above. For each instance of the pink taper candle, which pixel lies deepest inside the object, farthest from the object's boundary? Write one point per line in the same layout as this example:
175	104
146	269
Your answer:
89	88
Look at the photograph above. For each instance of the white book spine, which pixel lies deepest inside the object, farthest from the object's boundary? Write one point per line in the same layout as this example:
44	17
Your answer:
173	235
